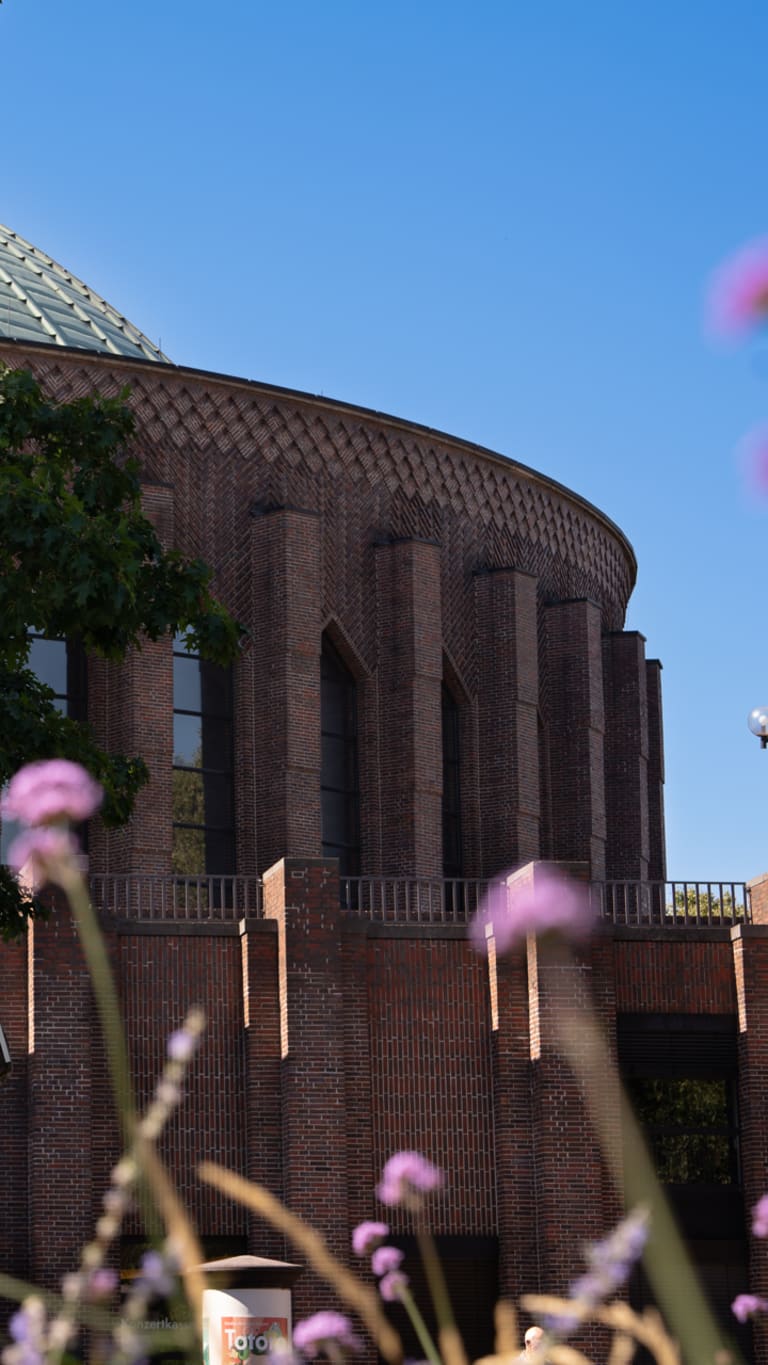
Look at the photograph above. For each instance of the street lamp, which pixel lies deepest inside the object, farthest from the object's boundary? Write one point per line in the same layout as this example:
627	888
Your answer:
757	721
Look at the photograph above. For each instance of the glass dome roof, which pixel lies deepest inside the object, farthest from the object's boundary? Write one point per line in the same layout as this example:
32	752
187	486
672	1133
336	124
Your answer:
42	302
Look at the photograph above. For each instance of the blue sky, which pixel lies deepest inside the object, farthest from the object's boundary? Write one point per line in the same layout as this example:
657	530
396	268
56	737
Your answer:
498	219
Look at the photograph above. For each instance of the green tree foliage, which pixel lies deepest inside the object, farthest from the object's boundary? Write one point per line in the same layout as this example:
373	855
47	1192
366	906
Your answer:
80	561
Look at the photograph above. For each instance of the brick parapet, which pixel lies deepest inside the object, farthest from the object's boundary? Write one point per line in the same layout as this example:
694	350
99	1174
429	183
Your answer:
508	724
575	719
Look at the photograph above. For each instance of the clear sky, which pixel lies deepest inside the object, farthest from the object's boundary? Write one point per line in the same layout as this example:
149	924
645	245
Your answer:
498	218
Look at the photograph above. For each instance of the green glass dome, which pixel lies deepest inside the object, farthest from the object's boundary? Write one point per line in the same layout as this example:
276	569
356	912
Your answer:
42	302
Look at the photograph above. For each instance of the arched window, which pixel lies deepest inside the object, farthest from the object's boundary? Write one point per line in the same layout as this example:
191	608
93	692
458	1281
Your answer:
453	856
339	786
203	795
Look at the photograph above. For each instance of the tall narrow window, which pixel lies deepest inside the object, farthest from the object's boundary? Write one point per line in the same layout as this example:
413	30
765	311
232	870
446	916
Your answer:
453	860
60	664
203	804
340	795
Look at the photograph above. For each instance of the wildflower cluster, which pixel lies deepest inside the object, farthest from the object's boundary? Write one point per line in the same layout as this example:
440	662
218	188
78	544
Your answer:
746	1306
610	1263
510	912
738	305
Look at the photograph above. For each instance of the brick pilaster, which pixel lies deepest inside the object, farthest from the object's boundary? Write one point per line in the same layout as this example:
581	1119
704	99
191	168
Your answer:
410	671
508	742
62	1031
575	721
657	853
626	756
285	648
14	1220
750	962
261	1019
302	895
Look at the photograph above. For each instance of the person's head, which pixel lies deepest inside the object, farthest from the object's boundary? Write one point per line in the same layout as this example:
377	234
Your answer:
533	1339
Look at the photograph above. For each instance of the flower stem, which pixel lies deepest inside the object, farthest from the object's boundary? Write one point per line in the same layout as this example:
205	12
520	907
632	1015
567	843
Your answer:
448	1336
419	1327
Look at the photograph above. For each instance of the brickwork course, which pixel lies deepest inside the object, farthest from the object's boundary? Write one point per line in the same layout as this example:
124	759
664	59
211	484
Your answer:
337	1035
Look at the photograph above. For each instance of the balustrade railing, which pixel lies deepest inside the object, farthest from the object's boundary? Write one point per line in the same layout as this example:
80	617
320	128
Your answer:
146	897
412	900
683	905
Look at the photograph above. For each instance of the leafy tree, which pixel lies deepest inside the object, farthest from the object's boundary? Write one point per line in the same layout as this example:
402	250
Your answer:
80	561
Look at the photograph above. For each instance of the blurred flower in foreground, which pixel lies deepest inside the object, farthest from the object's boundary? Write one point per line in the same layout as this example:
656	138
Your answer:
38	851
610	1264
406	1177
367	1236
738	298
324	1332
49	791
760	1217
744	1305
393	1285
386	1259
510	912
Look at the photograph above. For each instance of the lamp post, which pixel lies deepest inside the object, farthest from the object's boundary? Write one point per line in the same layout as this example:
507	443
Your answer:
757	721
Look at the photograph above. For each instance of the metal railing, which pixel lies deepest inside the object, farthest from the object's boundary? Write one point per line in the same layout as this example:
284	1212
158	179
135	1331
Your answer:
675	905
412	900
424	900
137	896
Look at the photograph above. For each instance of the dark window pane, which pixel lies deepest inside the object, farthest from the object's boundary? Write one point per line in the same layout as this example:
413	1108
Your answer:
186	684
453	865
219	852
188	856
218	800
48	660
187	740
216	689
335	762
335	812
217	743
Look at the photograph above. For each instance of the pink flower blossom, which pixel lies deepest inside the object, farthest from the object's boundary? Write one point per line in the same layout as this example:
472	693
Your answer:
367	1236
510	911
312	1335
51	790
392	1285
37	852
385	1259
744	1305
760	1217
406	1176
739	293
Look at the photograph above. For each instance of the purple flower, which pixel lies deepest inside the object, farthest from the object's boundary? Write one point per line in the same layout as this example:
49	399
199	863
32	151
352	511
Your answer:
53	789
511	911
27	1328
157	1279
406	1176
313	1334
744	1305
611	1260
367	1236
391	1286
37	852
183	1044
760	1217
739	293
385	1259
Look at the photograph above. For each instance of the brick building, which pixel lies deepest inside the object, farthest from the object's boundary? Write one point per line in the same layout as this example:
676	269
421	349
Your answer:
436	687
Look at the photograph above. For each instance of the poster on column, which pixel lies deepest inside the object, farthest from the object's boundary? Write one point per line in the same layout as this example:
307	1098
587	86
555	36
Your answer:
243	1338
